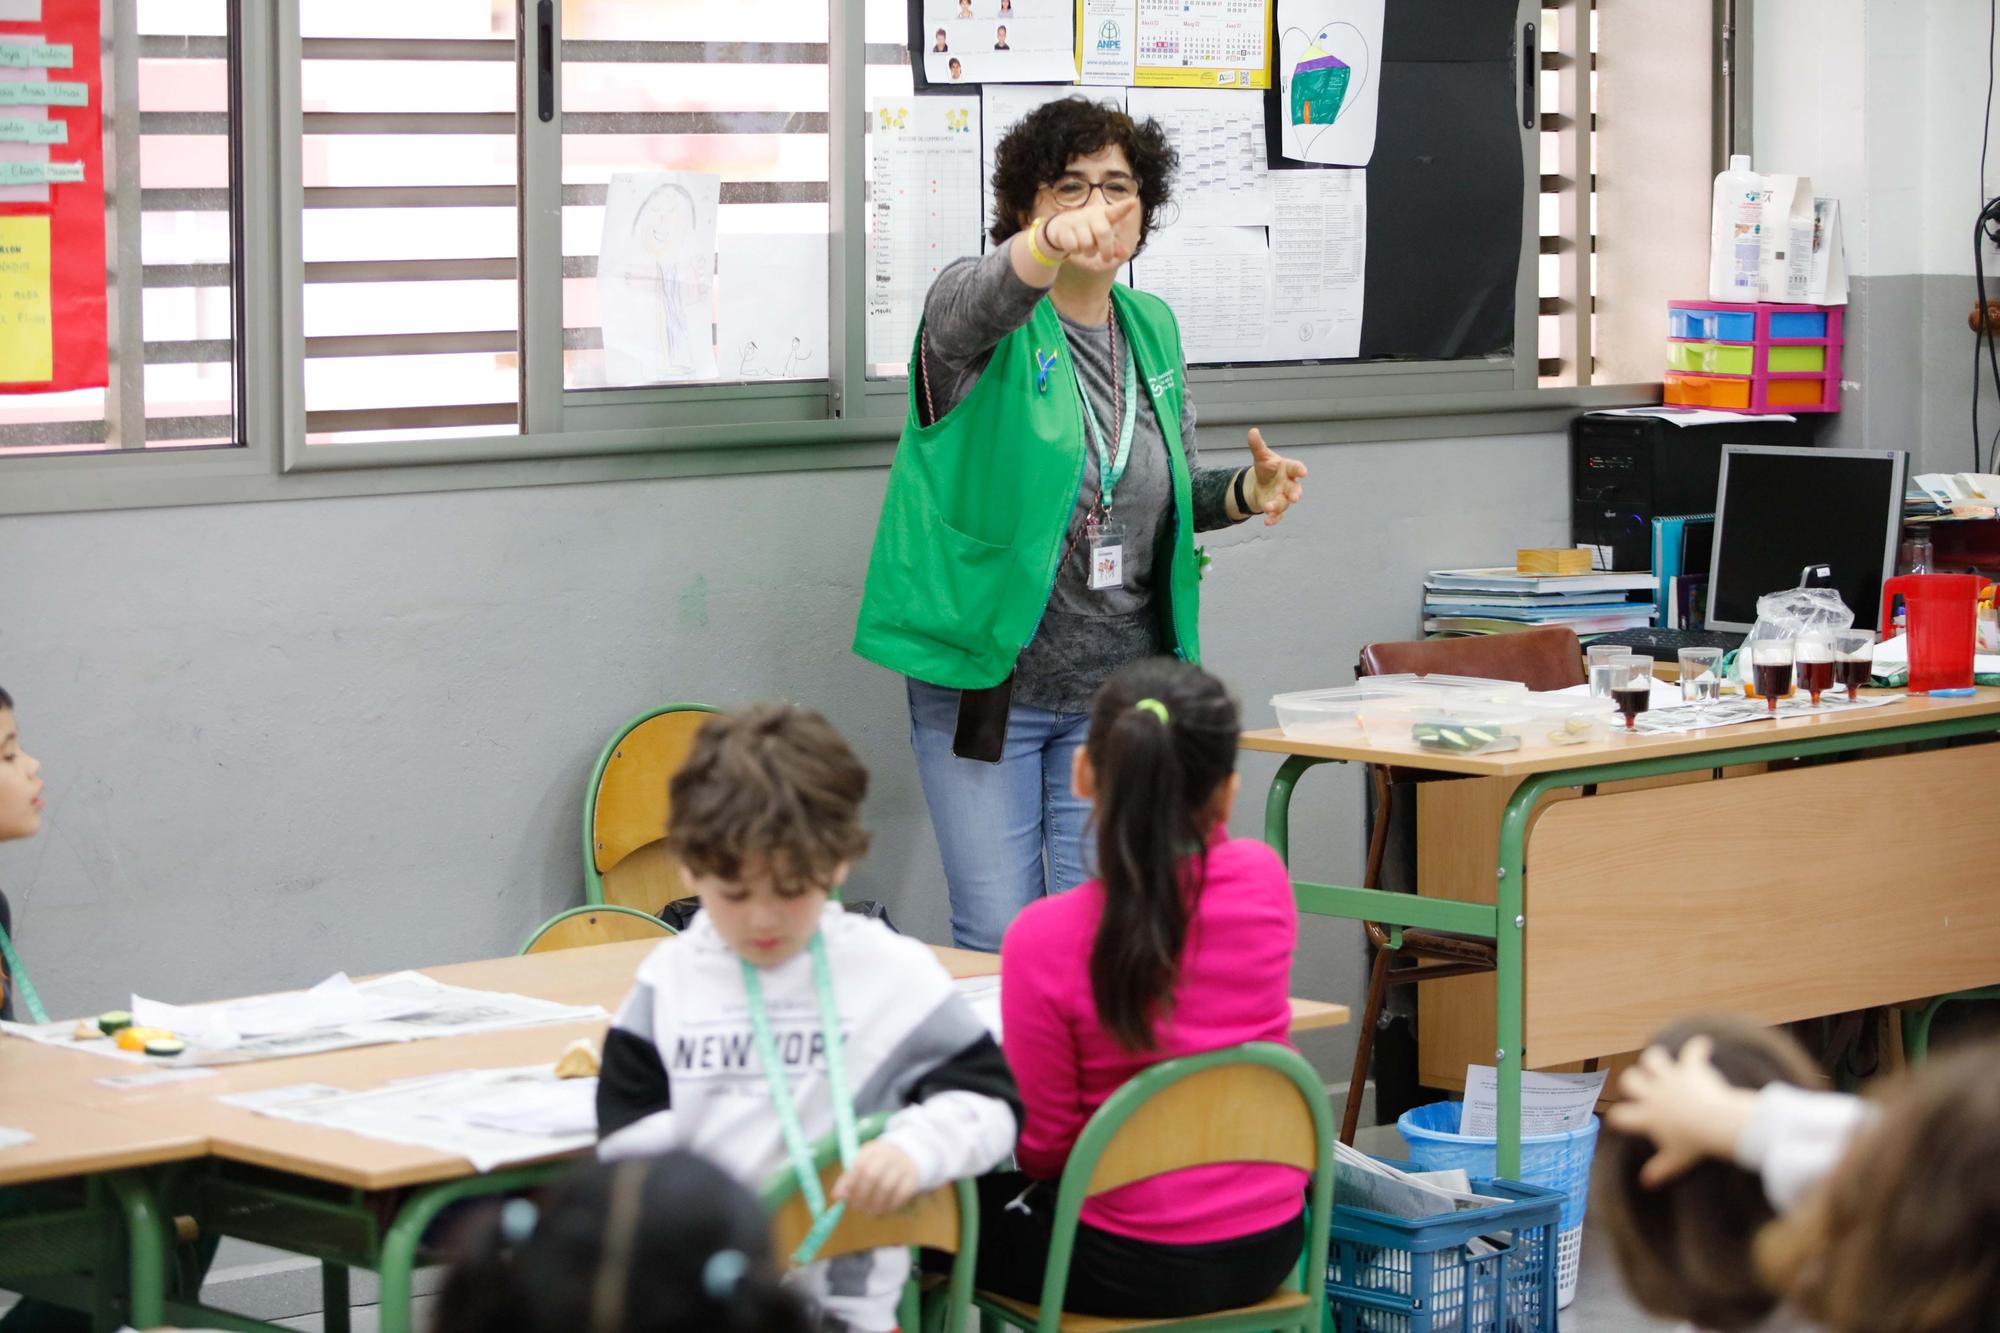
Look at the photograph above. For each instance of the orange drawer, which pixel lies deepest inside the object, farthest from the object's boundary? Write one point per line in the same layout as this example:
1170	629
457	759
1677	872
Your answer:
1715	391
1794	393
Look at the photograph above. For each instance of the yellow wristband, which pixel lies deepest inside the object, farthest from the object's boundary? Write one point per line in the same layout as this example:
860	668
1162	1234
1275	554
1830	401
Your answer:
1041	256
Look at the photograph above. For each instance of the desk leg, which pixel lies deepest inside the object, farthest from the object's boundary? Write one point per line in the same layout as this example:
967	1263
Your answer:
1278	804
146	1249
335	1305
1508	980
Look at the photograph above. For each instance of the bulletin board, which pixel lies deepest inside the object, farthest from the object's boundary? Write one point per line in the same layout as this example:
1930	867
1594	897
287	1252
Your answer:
1440	197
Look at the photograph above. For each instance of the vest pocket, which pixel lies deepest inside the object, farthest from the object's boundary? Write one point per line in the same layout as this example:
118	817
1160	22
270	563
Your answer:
970	580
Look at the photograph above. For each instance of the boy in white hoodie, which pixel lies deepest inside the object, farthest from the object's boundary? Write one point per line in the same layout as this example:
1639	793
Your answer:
777	1018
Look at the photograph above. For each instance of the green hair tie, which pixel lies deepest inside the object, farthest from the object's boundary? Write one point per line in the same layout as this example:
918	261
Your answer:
1156	708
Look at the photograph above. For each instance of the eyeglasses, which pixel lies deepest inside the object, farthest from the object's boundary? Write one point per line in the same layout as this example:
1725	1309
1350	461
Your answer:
1074	191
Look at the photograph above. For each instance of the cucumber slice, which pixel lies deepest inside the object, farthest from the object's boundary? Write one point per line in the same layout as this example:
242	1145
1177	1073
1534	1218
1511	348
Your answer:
1452	736
108	1023
1480	735
1424	734
165	1047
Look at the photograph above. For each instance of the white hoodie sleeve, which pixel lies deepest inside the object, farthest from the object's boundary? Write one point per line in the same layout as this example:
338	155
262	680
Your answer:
954	1134
1795	1138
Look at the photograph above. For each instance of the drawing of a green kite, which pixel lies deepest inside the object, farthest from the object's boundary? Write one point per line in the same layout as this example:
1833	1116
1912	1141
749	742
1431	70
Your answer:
1319	85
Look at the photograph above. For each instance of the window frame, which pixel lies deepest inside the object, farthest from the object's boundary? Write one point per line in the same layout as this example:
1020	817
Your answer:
847	420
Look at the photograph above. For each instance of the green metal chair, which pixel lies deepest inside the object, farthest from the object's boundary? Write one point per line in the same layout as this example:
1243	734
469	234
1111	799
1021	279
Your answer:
1259	1102
605	924
945	1219
625	810
1917	1021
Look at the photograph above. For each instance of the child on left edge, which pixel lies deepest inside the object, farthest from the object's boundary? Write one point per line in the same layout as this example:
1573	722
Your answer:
766	820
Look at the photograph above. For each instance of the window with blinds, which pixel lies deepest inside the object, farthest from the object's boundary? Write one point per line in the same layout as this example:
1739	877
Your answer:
410	233
1567	272
170	244
715	117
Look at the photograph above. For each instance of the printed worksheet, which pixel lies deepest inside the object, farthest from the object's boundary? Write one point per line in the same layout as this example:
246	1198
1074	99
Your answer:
923	211
1218	281
999	41
1223	180
1329	78
1319	249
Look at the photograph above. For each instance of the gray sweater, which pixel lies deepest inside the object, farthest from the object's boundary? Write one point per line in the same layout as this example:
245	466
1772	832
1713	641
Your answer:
1084	636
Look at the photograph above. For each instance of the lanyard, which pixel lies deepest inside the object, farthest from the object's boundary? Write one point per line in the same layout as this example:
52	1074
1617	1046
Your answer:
824	1218
1109	469
19	976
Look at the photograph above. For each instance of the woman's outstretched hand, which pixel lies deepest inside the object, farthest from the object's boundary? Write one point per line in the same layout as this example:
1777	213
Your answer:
1275	481
1089	236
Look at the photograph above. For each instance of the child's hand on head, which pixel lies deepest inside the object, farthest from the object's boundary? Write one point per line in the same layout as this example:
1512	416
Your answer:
882	1179
1684	1106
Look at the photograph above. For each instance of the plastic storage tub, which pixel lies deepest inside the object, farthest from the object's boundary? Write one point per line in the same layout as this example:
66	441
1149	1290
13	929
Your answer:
1392	1275
1441	724
1553	1161
1460	687
1332	716
1568	719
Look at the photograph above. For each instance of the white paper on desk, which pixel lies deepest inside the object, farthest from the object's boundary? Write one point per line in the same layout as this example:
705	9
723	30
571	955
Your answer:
1218	281
1001	107
1319	252
1550	1103
267	1099
1892	658
1222	179
528	1106
152	1078
1329	52
407	1006
771	307
1665	694
1692	416
656	277
14	1138
923	210
430	1112
983	994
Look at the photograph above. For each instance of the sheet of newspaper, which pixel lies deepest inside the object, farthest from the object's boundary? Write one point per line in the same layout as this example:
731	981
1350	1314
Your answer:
1735	712
490	1117
1362	1182
404	1006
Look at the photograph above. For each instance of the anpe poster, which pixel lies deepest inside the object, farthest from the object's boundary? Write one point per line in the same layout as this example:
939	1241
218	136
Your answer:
52	273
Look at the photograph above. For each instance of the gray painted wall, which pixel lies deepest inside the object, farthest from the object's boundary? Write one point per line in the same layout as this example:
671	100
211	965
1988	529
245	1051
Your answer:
288	738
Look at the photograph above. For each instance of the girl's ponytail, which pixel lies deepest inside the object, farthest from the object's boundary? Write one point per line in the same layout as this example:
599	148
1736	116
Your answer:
1162	741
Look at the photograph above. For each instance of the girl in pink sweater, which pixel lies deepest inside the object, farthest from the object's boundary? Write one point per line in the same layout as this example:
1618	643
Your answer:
1183	945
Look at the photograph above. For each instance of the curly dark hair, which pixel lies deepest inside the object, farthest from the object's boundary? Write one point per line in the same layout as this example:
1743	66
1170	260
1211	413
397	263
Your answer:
1046	140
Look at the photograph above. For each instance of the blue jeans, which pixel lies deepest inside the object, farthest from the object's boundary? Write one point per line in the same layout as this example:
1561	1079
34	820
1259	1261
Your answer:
1010	832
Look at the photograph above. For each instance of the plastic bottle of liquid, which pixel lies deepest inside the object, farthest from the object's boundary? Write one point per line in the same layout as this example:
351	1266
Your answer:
1735	248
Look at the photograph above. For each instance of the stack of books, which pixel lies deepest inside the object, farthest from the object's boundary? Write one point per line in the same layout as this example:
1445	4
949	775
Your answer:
1497	601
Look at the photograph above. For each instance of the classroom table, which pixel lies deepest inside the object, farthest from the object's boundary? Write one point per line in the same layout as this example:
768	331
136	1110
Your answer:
346	1200
1781	892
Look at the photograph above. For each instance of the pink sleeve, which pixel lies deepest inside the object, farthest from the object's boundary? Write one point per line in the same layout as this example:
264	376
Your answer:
1041	1047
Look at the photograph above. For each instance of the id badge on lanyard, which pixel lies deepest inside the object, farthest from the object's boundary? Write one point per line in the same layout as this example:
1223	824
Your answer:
1104	545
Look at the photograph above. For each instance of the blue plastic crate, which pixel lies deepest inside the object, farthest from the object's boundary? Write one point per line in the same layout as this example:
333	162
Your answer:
1388	1275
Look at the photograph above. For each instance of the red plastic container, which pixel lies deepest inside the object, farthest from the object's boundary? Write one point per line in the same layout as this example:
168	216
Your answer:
1941	615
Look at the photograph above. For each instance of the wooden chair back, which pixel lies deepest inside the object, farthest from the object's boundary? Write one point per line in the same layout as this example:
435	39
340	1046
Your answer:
604	924
625	821
931	1220
1230	1113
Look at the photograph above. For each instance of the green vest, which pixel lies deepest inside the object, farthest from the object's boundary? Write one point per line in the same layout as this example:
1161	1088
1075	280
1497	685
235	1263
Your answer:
979	507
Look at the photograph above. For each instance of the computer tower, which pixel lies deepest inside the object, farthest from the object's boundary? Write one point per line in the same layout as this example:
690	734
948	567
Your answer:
1627	471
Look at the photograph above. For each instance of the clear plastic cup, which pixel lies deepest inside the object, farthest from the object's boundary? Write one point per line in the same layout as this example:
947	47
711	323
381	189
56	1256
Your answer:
1853	660
1600	656
1701	677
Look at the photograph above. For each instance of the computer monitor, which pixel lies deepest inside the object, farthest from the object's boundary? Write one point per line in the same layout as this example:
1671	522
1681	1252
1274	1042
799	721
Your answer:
1778	510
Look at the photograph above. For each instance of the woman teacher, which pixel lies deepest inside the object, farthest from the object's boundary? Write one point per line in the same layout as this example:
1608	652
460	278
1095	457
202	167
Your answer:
1038	531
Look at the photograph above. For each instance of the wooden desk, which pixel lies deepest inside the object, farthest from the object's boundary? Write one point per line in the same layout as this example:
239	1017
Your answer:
266	1178
1782	895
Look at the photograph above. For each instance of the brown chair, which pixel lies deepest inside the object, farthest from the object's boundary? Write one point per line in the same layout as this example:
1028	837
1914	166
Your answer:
1542	659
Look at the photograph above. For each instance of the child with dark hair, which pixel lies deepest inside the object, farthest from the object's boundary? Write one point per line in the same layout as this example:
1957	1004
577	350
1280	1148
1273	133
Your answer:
1182	945
667	1244
1685	1246
20	817
777	1018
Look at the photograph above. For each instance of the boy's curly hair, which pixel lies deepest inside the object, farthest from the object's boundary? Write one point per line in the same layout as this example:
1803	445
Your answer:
773	788
1045	141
